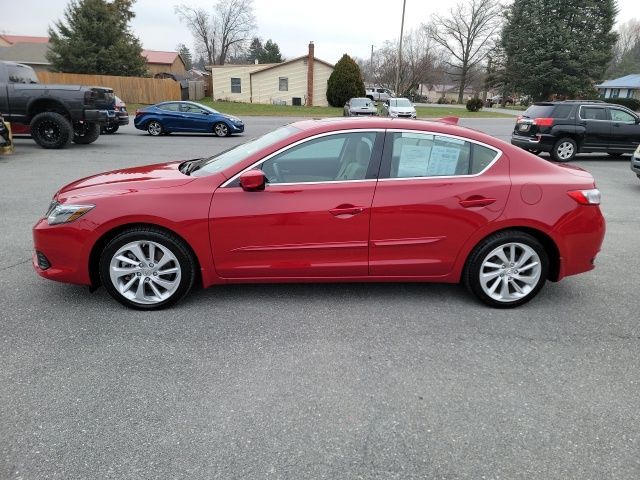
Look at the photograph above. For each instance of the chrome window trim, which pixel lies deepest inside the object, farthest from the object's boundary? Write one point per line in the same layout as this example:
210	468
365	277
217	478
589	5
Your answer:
284	149
591	119
457	137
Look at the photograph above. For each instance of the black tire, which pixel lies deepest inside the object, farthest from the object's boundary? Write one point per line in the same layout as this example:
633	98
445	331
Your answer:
182	259
85	133
221	129
535	152
506	275
51	130
155	128
110	129
564	150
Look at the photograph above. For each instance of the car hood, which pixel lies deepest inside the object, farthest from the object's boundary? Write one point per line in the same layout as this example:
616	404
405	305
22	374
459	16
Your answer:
161	175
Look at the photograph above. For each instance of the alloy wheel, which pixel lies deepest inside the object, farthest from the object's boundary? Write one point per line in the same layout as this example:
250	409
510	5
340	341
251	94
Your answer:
565	150
145	272
510	272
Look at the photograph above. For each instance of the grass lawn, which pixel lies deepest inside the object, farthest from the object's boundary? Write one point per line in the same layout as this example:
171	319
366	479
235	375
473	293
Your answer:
259	109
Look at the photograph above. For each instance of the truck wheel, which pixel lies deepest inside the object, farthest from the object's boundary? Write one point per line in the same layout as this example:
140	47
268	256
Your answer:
51	130
85	133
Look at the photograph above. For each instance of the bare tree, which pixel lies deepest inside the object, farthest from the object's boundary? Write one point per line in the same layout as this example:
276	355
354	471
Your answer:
223	33
234	24
466	36
200	24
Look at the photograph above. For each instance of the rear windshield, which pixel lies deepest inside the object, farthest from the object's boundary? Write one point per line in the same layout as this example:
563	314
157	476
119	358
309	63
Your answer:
537	111
360	102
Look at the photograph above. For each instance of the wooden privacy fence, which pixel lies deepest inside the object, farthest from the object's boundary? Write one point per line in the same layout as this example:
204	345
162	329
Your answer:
129	89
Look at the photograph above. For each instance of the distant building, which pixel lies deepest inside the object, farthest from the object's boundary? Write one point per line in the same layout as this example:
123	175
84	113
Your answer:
623	87
302	81
32	54
6	40
164	62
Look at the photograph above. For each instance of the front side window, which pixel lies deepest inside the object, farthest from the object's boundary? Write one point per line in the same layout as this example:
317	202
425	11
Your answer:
621	116
188	108
236	85
283	84
338	157
429	155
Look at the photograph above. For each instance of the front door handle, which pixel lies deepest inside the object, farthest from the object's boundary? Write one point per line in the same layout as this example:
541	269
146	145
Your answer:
346	210
477	201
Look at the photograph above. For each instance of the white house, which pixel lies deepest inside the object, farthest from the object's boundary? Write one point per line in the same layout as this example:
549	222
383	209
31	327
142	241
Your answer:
301	81
623	87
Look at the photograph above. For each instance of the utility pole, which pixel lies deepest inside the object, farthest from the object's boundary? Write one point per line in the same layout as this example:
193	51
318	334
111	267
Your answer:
371	67
404	4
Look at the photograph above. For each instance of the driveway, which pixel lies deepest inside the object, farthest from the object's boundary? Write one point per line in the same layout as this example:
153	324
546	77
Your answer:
382	381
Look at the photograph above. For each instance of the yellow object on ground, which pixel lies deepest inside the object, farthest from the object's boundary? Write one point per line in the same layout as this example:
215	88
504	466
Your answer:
8	148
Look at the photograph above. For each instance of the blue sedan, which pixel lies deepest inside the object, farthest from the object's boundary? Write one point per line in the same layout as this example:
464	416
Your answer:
167	117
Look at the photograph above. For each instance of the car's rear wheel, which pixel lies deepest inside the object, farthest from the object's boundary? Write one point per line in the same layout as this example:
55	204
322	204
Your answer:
221	129
154	128
147	268
564	150
507	269
85	133
51	130
109	129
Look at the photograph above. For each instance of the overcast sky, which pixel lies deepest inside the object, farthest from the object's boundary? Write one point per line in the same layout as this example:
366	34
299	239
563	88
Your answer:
335	26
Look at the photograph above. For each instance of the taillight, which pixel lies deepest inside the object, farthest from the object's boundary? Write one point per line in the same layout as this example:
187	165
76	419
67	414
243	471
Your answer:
543	121
519	117
89	97
139	112
586	197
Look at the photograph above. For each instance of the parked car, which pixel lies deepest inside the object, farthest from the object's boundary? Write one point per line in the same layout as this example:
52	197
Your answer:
359	107
337	200
54	114
398	107
577	126
635	161
120	117
497	100
378	94
168	117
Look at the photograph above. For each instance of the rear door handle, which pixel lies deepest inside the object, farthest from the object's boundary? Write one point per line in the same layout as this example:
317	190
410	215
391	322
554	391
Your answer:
477	201
341	210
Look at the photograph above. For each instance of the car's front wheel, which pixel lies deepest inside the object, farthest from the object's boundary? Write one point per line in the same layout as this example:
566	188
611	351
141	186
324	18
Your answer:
564	150
507	269
147	268
154	128
221	129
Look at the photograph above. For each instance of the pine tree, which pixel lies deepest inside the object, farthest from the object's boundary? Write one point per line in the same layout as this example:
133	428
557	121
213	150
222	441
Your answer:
345	82
95	38
558	46
271	53
185	53
256	50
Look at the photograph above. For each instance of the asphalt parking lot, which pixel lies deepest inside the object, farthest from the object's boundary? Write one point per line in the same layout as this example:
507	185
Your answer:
380	381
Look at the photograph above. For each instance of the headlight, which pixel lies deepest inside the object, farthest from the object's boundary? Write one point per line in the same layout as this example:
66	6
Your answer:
59	213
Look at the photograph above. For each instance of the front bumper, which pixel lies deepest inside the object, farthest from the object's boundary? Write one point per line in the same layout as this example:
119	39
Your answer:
65	248
236	127
541	142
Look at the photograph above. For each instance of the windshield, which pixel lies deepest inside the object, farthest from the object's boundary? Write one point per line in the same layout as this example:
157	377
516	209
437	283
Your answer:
237	154
399	102
360	102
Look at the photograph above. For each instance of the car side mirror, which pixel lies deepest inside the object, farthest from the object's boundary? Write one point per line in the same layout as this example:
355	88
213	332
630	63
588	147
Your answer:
253	180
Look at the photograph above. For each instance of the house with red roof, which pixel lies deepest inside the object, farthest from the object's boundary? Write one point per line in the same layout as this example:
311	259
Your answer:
164	62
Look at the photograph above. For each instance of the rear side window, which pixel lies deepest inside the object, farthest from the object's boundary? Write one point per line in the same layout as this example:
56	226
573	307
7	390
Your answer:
172	107
537	111
593	113
21	74
562	111
425	155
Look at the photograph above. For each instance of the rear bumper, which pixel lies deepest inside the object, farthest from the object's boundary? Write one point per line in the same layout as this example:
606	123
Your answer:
96	116
543	143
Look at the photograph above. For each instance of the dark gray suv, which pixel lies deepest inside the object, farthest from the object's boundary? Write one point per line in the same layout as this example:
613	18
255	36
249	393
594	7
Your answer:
566	128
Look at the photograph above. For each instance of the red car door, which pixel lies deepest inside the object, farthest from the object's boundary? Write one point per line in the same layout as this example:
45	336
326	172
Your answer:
438	190
312	218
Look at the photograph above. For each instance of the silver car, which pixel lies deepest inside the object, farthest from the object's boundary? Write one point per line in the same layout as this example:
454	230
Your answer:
358	107
399	107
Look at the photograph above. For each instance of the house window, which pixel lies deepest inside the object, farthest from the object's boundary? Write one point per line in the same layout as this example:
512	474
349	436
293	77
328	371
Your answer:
283	84
615	92
236	85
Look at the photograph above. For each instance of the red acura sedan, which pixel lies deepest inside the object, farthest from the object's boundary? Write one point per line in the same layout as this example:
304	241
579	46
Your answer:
339	200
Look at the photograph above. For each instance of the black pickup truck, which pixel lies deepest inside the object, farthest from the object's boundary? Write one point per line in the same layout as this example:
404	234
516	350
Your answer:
56	114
